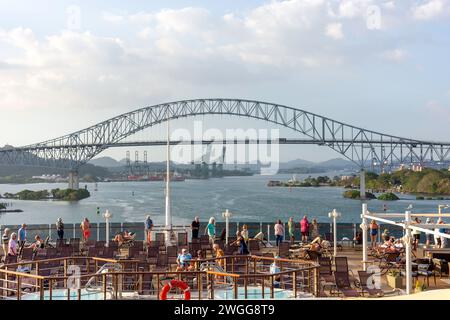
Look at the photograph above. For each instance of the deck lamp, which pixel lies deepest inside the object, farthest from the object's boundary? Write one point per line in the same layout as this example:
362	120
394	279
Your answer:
334	214
227	215
107	215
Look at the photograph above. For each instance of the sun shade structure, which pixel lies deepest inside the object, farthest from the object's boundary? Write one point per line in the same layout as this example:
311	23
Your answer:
402	220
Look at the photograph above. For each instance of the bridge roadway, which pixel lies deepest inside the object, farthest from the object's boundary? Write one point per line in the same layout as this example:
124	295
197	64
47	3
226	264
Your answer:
281	141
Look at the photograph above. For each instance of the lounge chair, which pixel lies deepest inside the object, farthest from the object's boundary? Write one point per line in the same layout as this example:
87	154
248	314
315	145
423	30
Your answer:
341	265
326	274
363	284
343	285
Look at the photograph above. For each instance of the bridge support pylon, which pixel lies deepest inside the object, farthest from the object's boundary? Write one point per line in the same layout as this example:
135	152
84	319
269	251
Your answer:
74	181
362	184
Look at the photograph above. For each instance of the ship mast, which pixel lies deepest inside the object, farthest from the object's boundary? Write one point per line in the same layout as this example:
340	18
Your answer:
168	212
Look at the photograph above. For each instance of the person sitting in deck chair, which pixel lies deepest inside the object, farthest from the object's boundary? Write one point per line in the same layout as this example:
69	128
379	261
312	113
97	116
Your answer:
37	244
124	237
183	261
260	237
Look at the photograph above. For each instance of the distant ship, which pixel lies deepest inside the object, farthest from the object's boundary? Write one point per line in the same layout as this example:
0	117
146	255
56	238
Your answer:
176	177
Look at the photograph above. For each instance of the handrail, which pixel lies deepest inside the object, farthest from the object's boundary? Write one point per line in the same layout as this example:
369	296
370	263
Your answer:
250	261
22	274
223	274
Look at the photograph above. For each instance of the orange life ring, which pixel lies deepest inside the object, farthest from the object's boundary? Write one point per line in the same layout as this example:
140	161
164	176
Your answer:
177	284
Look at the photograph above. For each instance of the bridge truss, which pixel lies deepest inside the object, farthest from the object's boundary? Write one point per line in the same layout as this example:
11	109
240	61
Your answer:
363	147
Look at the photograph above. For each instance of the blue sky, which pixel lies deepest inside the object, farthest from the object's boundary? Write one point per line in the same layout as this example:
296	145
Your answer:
60	72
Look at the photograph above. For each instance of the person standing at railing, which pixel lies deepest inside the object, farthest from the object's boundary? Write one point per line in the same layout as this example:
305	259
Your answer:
291	229
279	232
373	233
314	228
60	228
22	237
86	229
5	242
244	233
211	230
416	234
148	228
304	228
12	245
195	227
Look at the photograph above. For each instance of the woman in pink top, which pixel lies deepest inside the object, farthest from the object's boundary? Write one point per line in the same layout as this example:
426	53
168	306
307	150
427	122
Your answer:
12	246
304	228
279	232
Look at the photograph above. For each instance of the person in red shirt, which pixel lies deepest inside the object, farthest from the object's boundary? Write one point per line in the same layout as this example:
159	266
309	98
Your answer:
304	228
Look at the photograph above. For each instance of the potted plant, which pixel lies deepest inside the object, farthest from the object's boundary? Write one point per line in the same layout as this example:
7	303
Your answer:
394	279
419	287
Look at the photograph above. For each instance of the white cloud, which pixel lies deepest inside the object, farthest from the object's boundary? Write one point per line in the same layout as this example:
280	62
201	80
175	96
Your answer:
429	9
183	48
353	8
112	17
334	30
395	55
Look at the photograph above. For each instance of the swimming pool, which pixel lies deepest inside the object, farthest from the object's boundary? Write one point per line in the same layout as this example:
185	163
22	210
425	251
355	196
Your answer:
253	293
61	294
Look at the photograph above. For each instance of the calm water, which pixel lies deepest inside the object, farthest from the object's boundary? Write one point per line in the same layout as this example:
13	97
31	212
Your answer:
247	197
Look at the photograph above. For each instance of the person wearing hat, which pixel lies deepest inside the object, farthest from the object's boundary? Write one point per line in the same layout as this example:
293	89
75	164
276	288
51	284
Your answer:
183	260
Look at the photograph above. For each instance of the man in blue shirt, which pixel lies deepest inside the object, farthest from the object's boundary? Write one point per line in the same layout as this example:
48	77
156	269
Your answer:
183	260
22	237
148	228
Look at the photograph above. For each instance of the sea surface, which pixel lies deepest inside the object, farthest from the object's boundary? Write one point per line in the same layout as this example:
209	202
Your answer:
248	198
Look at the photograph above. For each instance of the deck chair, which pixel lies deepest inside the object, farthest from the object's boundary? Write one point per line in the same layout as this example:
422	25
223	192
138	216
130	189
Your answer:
388	261
253	246
283	249
343	285
341	265
182	239
365	286
313	255
172	255
325	274
27	254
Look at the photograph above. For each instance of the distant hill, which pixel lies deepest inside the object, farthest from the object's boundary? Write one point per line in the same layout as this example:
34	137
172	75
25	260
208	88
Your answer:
334	164
298	163
106	162
337	163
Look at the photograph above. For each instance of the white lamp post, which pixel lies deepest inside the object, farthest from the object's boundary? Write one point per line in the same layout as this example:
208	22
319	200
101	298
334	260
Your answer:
408	241
334	214
364	228
227	215
107	215
442	206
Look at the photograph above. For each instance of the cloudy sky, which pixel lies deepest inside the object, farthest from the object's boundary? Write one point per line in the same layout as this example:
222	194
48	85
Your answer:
382	65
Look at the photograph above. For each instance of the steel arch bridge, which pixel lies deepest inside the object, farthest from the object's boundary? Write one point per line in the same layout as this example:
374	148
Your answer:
359	145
